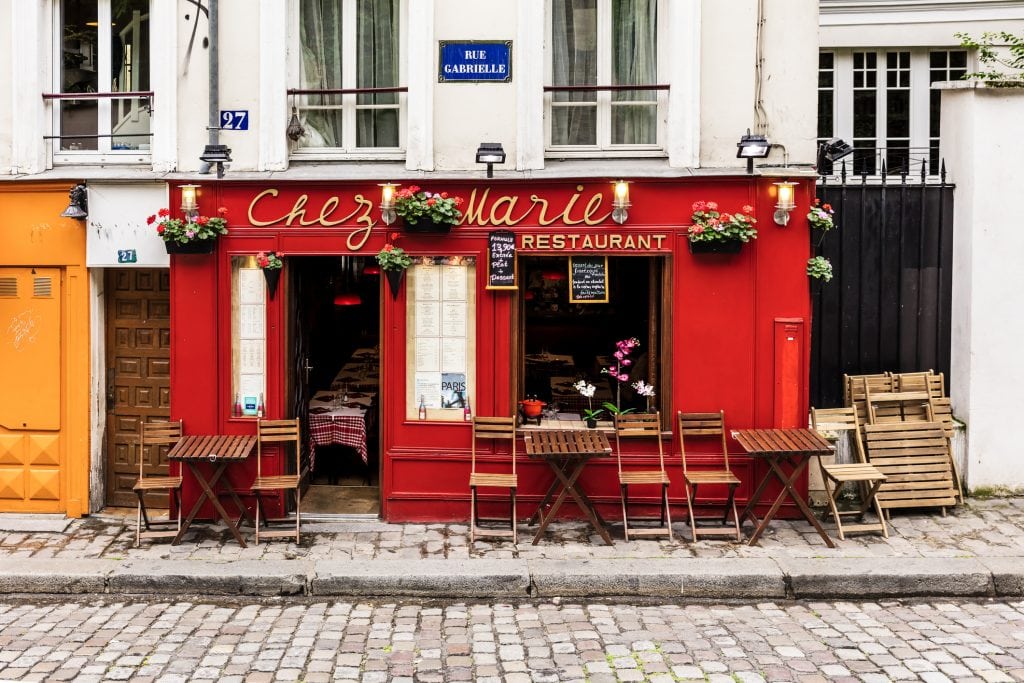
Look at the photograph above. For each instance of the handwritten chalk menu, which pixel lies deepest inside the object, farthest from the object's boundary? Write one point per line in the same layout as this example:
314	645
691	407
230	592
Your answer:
588	279
501	260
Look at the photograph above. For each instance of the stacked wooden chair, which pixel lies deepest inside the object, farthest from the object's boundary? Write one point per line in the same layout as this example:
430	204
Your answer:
153	436
494	428
284	432
642	425
834	475
712	425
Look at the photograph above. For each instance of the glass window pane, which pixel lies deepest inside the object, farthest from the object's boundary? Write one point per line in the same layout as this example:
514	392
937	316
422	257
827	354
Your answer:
129	61
574	125
898	114
825	114
634	125
248	335
634	41
320	41
825	60
958	59
377	128
79	67
864	113
574	42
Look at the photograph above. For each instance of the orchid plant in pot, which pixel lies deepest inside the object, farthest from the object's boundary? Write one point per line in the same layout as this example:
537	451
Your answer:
587	391
644	389
619	371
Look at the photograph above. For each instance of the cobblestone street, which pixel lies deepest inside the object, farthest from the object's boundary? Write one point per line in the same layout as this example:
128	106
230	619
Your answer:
323	641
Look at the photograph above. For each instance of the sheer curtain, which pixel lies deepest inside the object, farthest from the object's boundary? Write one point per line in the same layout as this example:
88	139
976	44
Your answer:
322	36
634	62
630	43
574	62
320	33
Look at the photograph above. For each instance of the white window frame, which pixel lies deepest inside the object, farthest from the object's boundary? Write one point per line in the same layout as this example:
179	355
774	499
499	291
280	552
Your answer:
920	86
103	155
604	147
350	152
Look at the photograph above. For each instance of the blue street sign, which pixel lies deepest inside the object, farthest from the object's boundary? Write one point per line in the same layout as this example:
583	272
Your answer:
127	256
475	61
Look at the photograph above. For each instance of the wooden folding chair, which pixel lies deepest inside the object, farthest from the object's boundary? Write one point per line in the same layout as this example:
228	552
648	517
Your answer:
496	428
154	435
895	406
915	458
867	477
642	425
931	382
283	432
708	425
855	387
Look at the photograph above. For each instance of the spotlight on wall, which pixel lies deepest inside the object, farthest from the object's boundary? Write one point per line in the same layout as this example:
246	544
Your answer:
78	206
620	201
490	153
189	200
387	202
752	147
835	149
216	154
786	201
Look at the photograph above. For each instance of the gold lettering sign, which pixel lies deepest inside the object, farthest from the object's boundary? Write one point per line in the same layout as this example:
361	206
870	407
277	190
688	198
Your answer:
601	242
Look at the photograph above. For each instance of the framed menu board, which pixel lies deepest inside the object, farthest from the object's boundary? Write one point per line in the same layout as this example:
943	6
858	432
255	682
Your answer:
588	279
501	260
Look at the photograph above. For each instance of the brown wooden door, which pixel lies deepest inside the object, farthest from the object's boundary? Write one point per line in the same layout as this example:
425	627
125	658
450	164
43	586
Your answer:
138	341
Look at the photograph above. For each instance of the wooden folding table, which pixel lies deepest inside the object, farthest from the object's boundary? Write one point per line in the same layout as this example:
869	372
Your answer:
220	450
567	452
794	447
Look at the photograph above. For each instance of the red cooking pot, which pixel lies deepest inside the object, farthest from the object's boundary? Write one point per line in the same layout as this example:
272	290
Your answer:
532	407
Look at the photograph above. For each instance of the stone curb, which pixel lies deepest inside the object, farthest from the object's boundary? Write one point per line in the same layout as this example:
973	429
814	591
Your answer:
717	578
888	577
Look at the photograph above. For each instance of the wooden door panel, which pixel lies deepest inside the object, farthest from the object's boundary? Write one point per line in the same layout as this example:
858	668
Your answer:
138	380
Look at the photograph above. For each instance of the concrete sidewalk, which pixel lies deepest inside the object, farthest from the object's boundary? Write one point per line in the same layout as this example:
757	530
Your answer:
977	550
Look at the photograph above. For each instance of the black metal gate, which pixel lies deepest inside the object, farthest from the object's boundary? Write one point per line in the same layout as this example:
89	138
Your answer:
888	305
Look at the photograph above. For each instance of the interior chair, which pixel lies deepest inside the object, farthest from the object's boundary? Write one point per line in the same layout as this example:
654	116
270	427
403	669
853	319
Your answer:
700	425
867	477
284	432
495	428
646	425
154	435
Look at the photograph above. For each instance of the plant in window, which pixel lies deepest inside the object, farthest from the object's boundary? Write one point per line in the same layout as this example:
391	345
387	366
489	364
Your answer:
712	225
620	373
191	229
422	210
587	391
820	268
820	216
645	390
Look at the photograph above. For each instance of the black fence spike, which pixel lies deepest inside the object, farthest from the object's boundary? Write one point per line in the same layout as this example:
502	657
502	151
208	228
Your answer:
884	172
842	175
942	172
924	170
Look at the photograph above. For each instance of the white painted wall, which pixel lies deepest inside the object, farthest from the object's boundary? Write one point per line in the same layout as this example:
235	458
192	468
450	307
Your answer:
988	320
728	55
6	93
908	24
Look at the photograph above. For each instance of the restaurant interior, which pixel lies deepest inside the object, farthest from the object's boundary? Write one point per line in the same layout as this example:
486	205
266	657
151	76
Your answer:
335	321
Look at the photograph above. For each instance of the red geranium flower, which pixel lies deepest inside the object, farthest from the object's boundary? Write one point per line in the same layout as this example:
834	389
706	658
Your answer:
163	212
151	220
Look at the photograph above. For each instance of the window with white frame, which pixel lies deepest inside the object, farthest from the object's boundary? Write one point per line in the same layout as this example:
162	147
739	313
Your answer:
596	48
881	101
345	47
102	50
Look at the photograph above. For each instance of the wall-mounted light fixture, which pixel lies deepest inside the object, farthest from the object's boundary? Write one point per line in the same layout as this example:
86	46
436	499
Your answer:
490	153
752	147
834	150
785	201
620	201
78	206
218	155
189	200
387	202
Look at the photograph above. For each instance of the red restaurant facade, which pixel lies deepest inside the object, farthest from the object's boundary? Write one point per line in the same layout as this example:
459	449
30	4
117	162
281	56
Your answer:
721	331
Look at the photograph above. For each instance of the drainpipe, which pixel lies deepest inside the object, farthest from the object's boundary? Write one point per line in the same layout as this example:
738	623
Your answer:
214	124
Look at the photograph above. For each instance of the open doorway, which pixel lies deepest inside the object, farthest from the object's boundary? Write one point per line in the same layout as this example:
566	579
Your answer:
334	312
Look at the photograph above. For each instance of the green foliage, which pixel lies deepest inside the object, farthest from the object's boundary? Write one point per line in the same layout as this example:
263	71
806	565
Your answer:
393	258
994	59
415	205
819	268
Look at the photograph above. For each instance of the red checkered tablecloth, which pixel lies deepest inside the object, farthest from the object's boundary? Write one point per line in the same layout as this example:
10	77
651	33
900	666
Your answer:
347	430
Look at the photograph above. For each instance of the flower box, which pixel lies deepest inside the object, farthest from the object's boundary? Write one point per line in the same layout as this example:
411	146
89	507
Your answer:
193	247
427	227
716	247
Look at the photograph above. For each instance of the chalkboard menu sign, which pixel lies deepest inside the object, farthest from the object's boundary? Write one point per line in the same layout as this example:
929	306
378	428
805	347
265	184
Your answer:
588	279
501	260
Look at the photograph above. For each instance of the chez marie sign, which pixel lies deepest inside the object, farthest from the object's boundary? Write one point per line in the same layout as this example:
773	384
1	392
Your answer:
481	208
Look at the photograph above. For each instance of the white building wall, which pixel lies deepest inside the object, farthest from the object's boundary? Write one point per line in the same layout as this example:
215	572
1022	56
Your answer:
988	320
6	93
